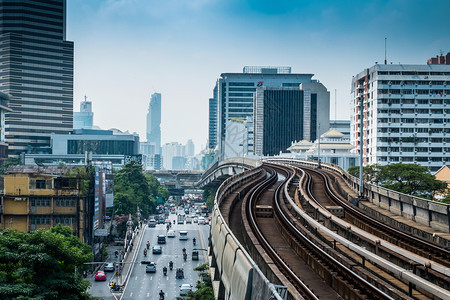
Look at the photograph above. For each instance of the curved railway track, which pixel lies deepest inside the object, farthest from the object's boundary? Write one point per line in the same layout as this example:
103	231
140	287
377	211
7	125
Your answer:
354	215
296	247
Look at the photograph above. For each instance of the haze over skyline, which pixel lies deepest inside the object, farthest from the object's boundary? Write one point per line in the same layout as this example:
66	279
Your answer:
125	50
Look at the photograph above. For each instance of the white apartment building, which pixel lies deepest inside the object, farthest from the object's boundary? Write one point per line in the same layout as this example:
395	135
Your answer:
406	114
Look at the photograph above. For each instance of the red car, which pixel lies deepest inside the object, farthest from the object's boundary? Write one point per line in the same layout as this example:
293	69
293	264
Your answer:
100	276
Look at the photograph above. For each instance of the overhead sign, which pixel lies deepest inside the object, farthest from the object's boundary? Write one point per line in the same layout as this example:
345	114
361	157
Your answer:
101	232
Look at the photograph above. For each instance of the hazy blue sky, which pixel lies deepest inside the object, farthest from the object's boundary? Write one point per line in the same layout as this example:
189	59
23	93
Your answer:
127	49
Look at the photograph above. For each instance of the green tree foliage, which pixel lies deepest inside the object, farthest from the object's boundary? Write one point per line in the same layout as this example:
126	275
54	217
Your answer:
133	188
209	194
370	172
11	161
410	179
42	264
204	289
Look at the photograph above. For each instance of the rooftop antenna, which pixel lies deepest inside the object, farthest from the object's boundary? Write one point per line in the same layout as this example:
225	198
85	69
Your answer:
385	42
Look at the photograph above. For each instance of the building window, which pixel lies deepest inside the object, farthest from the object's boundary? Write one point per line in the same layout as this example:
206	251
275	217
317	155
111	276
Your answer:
40	220
69	202
65	220
40	201
40	184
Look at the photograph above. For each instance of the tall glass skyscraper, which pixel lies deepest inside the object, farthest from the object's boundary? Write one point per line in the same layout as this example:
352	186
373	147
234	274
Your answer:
36	69
154	121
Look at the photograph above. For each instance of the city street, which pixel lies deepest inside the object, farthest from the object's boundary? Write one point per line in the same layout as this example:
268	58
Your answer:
142	285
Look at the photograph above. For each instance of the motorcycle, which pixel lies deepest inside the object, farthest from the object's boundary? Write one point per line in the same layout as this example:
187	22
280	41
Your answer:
148	245
161	296
193	241
185	256
165	271
171	266
145	252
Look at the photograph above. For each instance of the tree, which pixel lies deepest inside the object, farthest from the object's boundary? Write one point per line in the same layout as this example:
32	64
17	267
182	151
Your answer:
209	194
42	265
411	179
11	161
133	188
204	289
370	173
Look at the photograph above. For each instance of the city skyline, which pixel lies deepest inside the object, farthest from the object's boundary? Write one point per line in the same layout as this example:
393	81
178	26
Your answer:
127	50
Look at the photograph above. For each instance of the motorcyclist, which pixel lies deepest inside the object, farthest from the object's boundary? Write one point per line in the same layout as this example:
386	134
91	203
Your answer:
184	250
185	256
165	270
193	240
171	265
148	244
145	252
161	295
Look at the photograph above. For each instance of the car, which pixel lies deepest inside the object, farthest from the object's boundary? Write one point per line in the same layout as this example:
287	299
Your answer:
183	235
188	220
161	239
195	219
109	267
171	234
197	211
167	221
152	223
157	250
100	276
206	222
185	288
201	220
150	268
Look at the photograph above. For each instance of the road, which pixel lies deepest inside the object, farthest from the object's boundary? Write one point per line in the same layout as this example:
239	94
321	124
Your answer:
142	285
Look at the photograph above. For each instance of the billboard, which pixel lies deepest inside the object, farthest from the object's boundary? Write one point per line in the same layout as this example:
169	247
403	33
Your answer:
96	198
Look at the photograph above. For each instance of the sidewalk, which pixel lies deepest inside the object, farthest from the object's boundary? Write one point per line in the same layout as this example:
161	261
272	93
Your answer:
127	261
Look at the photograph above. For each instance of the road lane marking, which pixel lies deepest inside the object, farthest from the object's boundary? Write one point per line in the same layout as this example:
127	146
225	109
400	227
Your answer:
136	278
148	295
131	294
205	257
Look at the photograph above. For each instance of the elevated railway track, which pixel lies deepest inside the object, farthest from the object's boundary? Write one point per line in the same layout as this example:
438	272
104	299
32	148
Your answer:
282	218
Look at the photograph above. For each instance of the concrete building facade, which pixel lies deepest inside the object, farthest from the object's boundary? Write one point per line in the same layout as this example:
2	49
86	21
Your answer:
42	197
235	93
406	114
37	71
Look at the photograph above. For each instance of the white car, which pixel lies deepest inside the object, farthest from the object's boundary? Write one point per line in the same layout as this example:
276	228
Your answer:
171	234
185	288
201	220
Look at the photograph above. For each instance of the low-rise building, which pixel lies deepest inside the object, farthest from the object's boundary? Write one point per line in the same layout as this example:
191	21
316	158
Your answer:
41	197
333	147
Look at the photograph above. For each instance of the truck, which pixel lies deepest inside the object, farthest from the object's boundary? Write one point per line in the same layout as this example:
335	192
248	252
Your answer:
180	219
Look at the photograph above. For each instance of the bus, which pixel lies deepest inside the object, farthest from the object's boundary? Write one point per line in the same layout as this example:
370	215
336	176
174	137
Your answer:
204	210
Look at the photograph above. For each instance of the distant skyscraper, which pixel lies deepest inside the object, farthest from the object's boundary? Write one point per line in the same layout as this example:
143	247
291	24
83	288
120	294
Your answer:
169	151
84	118
36	70
190	148
154	122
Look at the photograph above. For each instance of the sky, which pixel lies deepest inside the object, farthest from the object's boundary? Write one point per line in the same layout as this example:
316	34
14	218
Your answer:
125	50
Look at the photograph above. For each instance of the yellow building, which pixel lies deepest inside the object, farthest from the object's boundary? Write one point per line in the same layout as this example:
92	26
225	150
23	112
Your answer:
443	174
41	197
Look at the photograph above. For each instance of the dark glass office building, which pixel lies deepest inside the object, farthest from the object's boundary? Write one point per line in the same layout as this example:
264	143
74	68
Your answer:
36	69
285	115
